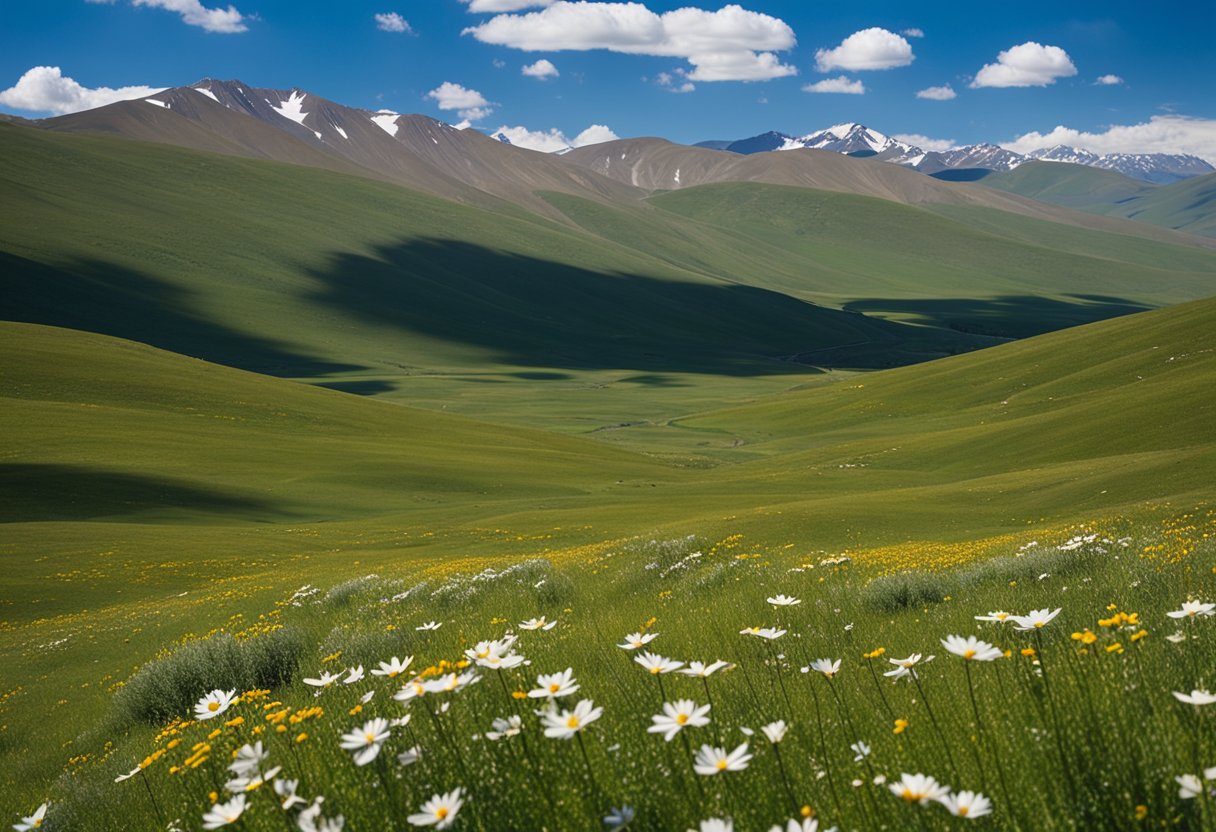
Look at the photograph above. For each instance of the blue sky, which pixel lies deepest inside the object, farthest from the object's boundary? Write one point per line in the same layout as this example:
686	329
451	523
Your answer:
1161	54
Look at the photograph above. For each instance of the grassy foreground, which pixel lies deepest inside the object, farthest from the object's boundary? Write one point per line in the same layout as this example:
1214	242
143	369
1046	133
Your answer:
1071	726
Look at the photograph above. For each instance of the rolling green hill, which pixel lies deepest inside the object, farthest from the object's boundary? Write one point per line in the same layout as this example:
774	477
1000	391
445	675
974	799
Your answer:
148	496
1006	275
1188	205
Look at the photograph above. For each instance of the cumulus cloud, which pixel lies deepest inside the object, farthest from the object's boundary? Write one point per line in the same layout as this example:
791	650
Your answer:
843	84
873	48
1108	81
392	22
553	140
542	69
1027	65
595	134
45	89
1161	134
193	13
914	32
924	142
469	104
943	93
730	44
493	6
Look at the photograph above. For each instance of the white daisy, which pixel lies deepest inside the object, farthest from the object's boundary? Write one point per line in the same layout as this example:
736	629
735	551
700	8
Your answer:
1035	619
554	685
970	805
972	649
393	668
565	725
223	814
440	811
710	760
365	742
214	704
34	821
678	715
633	641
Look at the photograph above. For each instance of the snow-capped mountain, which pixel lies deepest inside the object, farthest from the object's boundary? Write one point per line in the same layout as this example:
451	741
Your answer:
300	127
970	157
859	140
1161	168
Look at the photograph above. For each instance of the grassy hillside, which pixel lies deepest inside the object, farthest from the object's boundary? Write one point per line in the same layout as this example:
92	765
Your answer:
153	496
376	289
1188	205
1005	274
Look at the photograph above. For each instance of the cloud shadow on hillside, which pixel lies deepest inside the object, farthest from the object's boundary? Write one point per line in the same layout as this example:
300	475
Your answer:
96	296
1006	316
31	493
531	312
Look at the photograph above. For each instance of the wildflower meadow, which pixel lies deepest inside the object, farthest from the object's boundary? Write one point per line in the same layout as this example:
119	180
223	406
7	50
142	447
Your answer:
1065	682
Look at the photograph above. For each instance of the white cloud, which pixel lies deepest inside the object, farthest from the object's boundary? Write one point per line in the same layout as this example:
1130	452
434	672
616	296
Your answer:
672	83
1161	134
392	22
542	69
469	104
942	93
595	134
553	140
1027	65
844	85
225	21
914	32
730	44
1108	81
924	142
873	48
45	89
505	5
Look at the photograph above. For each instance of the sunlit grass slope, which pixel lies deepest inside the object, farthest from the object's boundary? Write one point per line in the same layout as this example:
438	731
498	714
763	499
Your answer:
148	496
370	287
978	270
1188	205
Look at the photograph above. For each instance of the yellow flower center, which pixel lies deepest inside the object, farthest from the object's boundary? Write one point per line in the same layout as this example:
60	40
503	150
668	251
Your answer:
38	823
393	674
1039	623
722	765
572	722
909	795
656	669
554	688
213	706
968	654
441	812
370	737
962	811
681	719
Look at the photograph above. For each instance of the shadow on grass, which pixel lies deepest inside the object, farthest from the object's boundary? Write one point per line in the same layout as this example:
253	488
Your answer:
31	493
541	313
1008	316
96	296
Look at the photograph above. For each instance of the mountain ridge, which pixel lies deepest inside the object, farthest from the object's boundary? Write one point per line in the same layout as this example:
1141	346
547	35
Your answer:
857	139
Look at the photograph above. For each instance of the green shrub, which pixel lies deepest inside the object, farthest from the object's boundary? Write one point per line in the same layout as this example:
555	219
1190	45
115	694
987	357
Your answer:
168	687
907	590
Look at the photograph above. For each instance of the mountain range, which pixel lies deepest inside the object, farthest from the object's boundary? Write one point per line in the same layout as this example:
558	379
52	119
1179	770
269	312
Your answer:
859	140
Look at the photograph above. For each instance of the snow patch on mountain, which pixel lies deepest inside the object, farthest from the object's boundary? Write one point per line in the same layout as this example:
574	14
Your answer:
292	108
207	93
387	121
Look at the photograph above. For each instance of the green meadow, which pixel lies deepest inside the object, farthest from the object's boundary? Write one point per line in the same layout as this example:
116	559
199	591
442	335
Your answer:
234	390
